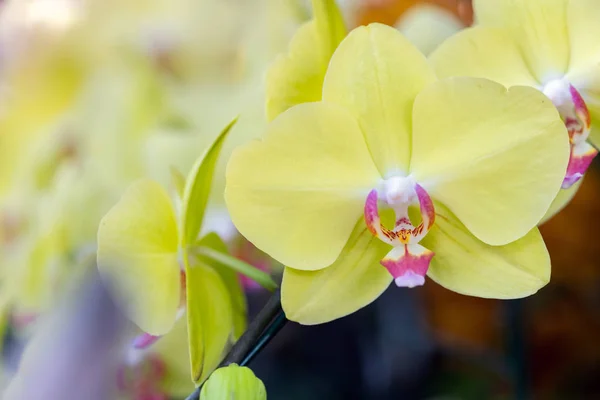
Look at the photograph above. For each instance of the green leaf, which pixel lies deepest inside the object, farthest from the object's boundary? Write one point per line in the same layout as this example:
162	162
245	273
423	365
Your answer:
260	277
233	382
197	188
210	319
231	280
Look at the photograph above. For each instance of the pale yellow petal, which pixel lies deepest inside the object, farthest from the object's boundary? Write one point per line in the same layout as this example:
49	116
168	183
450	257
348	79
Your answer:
376	73
137	256
173	350
563	198
584	31
496	158
209	317
483	52
231	279
353	281
584	68
297	194
464	264
197	188
538	26
297	77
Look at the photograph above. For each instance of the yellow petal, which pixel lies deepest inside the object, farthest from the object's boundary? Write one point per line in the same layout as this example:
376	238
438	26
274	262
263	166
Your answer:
376	74
173	351
468	266
231	280
584	67
483	52
210	320
330	27
538	26
352	282
496	158
297	77
233	382
563	198
594	137
297	194
584	31
197	188
137	256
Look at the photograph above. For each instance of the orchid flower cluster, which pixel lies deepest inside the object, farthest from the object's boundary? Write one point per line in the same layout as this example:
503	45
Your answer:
375	163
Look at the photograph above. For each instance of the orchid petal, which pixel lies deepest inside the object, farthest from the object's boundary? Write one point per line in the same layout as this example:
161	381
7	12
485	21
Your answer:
563	198
352	282
137	256
231	279
297	194
173	350
584	67
297	77
465	265
197	188
483	52
376	74
209	317
408	264
496	158
584	31
538	26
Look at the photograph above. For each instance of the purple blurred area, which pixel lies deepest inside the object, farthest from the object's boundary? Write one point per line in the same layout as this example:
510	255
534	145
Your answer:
74	353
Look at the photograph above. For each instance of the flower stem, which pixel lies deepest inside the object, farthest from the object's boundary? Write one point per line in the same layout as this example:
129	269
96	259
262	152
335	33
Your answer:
261	330
260	277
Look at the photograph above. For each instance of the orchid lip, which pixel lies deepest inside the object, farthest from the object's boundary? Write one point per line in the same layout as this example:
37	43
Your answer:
408	261
576	116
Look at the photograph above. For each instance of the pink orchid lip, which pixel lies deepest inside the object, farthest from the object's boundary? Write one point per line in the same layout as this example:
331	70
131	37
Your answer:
576	116
582	153
408	261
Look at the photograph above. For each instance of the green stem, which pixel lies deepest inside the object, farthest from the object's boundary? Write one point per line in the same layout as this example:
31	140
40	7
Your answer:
263	328
260	277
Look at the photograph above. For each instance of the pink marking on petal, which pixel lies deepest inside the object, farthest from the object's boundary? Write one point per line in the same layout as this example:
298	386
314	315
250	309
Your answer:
374	222
581	109
144	341
408	264
581	157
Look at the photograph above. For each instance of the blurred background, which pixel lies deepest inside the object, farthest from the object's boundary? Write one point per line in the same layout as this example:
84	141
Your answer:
97	93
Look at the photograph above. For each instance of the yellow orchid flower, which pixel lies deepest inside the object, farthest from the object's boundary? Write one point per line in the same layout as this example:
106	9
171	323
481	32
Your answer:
480	163
158	269
550	45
